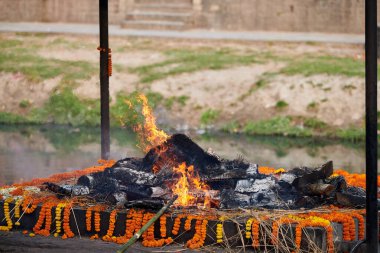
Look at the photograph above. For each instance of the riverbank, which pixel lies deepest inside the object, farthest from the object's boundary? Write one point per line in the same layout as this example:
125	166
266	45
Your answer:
290	89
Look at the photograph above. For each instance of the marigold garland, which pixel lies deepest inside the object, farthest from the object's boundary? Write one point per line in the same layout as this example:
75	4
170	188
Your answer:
255	229
58	219
314	221
276	225
109	236
130	224
361	226
138	217
66	222
348	223
248	227
163	219
45	216
148	236
56	178
200	235
17	192
176	225
354	179
219	230
188	222
7	216
28	205
266	170
17	211
88	218
124	238
279	171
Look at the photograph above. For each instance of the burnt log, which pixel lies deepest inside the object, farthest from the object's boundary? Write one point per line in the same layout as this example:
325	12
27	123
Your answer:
136	181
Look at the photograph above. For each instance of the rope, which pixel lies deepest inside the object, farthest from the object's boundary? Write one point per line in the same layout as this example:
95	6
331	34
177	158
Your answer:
109	58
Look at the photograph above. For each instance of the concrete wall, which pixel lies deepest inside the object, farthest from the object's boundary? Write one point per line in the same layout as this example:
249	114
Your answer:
336	16
77	11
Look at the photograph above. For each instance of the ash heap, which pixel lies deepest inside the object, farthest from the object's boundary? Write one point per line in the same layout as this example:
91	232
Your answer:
179	166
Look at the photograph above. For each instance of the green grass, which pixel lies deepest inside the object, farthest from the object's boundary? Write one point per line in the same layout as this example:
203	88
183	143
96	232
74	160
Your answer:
64	107
62	42
276	126
288	126
10	43
209	116
254	87
187	61
231	127
21	57
169	102
351	134
312	105
181	100
36	68
24	103
281	104
314	123
11	118
329	65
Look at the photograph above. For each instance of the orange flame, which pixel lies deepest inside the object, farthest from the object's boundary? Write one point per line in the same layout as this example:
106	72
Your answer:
149	134
188	186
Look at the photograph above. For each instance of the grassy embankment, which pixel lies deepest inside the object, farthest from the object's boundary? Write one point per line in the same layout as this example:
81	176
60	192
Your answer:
64	107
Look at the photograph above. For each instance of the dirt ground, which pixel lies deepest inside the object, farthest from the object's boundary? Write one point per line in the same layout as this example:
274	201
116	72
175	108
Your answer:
335	99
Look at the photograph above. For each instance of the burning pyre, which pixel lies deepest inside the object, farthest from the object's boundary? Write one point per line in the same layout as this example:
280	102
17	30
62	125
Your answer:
176	165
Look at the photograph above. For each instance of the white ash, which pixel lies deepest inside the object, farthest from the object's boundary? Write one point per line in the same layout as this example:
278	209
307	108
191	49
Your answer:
121	198
141	176
158	192
252	169
288	177
77	190
255	185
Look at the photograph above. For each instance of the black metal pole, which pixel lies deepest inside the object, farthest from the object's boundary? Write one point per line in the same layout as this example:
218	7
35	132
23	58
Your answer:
104	80
372	231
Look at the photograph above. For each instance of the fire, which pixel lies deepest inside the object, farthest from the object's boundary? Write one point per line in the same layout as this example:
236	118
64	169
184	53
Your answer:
149	134
189	186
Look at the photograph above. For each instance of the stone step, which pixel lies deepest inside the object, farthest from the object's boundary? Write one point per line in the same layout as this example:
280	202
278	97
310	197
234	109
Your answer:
177	8
158	16
153	25
163	2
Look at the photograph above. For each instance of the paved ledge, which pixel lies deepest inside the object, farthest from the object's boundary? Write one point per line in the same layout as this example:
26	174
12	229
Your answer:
15	241
93	29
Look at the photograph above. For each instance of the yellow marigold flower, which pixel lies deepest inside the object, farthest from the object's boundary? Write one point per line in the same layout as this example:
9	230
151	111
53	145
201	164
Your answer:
280	170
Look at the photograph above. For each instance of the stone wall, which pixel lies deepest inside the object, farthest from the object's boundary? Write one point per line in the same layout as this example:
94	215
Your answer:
335	16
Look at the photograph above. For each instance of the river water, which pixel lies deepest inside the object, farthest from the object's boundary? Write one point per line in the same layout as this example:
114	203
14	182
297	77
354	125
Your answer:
28	152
